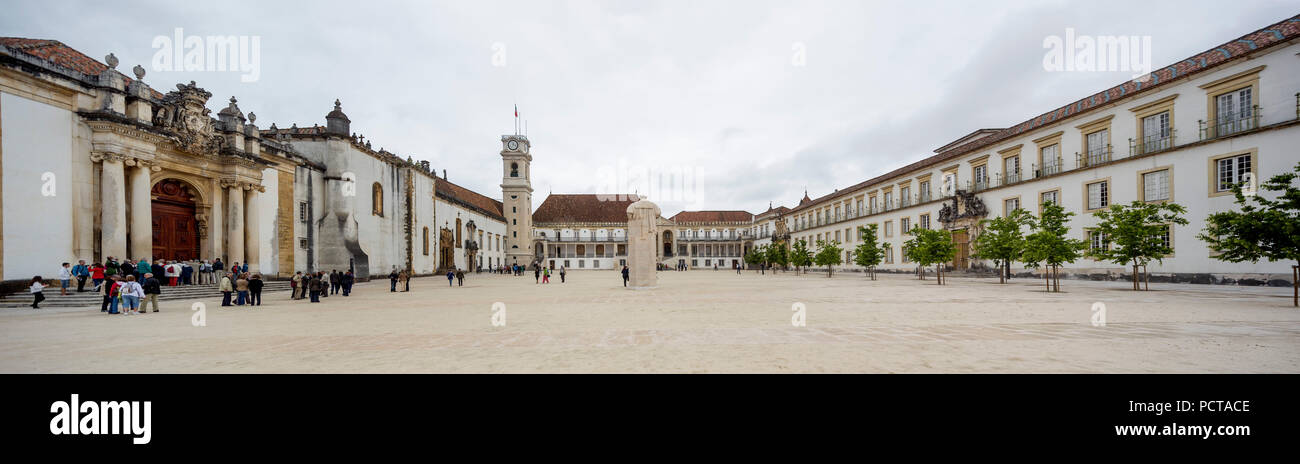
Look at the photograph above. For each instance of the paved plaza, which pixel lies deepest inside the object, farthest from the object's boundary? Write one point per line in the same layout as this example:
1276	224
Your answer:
697	321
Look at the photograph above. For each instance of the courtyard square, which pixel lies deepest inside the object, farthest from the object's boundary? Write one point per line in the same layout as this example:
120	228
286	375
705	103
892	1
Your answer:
695	321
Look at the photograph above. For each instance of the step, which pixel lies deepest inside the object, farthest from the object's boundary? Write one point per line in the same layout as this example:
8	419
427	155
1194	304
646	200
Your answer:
78	300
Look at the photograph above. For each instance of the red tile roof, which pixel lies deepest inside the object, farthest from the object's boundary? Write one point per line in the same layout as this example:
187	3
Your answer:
62	55
713	216
468	198
584	207
1279	33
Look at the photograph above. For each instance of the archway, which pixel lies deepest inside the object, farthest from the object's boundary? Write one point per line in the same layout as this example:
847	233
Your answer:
175	224
668	243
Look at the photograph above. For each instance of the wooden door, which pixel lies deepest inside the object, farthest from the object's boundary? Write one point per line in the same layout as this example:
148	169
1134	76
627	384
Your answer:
175	228
961	240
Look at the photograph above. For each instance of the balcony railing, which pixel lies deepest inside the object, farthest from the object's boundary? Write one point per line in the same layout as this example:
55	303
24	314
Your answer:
1094	157
1230	124
582	239
1010	178
1150	144
978	184
1050	167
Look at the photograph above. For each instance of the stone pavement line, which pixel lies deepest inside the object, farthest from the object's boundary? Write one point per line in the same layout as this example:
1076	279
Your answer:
770	336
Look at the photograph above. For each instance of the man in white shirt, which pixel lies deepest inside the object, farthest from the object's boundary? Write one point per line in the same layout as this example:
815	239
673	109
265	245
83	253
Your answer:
65	278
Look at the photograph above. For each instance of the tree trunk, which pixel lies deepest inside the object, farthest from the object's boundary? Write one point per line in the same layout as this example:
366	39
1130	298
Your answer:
1146	278
1295	285
1047	278
1056	278
1136	282
1002	277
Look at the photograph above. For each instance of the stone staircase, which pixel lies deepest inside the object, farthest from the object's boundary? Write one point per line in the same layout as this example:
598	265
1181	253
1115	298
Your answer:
88	299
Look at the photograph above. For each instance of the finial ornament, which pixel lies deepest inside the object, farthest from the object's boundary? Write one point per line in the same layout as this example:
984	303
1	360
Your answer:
111	61
139	72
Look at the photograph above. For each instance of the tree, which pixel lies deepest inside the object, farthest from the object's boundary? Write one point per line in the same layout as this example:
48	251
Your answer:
800	256
927	247
1136	235
1003	240
754	257
1049	245
829	254
777	255
869	253
1262	229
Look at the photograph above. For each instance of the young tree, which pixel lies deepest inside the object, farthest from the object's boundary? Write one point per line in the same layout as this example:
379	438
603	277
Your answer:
1135	235
1003	240
777	255
754	257
800	256
829	254
1262	229
1049	245
927	247
869	254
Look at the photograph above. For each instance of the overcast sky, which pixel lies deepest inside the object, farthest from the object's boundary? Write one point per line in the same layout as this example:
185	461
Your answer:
710	88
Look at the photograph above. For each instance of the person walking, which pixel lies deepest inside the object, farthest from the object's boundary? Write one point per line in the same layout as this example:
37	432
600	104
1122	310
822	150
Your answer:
450	276
96	275
81	272
241	289
460	278
65	279
131	294
537	274
106	289
226	287
324	284
255	290
114	288
152	288
392	280
37	288
561	273
625	275
348	280
546	275
406	281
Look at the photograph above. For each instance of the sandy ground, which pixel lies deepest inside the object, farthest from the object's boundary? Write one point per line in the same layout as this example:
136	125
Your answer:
698	321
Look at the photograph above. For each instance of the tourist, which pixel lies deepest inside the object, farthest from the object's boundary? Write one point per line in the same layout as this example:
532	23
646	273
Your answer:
205	272
110	267
255	290
127	268
348	280
152	288
226	287
37	287
65	279
336	282
143	268
244	269
737	266
187	273
546	275
241	289
314	285
460	278
324	283
218	266
625	275
106	289
537	274
173	273
81	272
96	275
406	281
392	280
131	294
450	276
293	285
561	273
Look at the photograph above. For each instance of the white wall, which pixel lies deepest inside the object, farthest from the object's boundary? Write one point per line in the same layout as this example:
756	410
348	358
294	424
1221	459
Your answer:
38	229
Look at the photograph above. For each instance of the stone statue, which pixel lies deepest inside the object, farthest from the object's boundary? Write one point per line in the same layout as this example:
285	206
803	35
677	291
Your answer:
642	217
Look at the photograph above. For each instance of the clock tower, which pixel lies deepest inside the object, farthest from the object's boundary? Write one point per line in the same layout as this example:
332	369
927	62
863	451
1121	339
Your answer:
517	198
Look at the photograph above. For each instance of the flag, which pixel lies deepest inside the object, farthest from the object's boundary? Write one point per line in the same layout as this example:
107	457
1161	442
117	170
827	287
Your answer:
516	111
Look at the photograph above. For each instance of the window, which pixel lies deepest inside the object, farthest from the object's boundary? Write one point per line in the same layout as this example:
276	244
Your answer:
889	201
1051	160
1052	196
1166	237
902	251
1155	185
426	241
889	228
1009	205
1011	169
904	226
904	196
1098	240
302	243
1096	147
302	212
889	254
924	192
514	169
1098	195
1155	133
1234	111
981	177
1232	170
377	199
925	221
458	242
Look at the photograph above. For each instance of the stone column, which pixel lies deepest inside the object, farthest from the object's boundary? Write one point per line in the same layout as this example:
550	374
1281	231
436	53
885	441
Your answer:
234	219
252	231
112	193
141	211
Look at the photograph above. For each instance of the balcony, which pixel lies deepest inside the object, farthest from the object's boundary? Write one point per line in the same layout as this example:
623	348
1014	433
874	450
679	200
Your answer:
1010	178
1094	156
1236	123
978	185
582	239
1050	167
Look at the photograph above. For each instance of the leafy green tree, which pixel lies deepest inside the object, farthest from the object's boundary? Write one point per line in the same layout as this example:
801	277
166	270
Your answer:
1135	235
931	247
1049	247
1263	228
1003	240
777	255
754	257
829	254
869	253
800	255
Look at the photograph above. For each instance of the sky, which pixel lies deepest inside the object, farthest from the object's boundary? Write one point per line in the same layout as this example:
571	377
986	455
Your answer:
720	105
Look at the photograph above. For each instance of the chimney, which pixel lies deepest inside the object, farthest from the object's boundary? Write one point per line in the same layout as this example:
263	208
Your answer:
444	174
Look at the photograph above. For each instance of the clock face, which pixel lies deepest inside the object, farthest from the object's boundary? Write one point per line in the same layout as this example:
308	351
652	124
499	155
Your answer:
513	144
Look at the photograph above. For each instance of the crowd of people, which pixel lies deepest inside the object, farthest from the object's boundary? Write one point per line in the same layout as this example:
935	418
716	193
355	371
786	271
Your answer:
320	284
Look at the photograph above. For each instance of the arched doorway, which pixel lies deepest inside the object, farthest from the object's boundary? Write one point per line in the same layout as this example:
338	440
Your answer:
446	245
668	243
175	226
